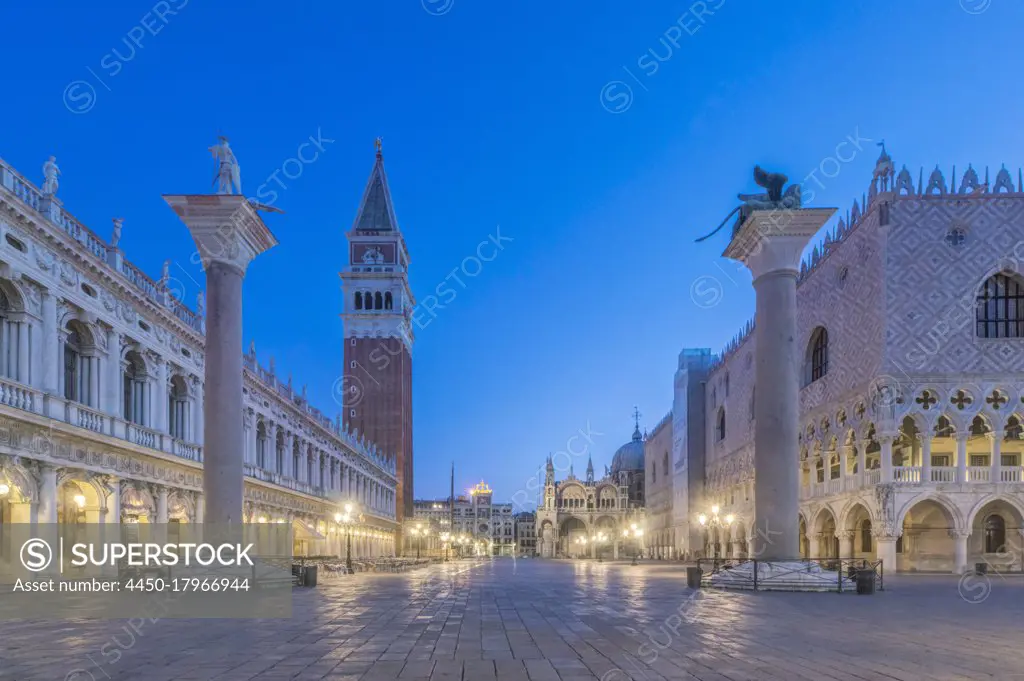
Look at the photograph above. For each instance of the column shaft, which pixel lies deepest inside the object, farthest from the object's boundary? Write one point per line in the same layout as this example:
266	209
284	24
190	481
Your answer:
776	456
222	468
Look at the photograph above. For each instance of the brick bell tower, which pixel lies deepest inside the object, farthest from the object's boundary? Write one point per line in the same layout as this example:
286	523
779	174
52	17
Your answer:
376	389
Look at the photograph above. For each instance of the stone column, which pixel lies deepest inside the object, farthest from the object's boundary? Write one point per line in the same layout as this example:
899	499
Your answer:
229	233
111	400
113	516
960	550
161	505
995	449
885	455
885	549
846	545
51	363
23	351
813	546
961	457
844	464
47	510
926	457
770	244
289	456
199	428
162	403
862	458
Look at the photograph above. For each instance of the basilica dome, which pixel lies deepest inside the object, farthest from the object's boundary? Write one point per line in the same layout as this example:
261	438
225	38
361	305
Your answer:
630	456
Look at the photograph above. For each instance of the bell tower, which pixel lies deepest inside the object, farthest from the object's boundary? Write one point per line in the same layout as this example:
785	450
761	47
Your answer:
377	305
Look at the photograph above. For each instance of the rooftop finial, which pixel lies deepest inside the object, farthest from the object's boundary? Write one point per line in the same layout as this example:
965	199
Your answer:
636	423
379	145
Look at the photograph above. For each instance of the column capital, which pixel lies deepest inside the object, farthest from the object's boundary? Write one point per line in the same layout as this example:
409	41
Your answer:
773	241
227	228
846	534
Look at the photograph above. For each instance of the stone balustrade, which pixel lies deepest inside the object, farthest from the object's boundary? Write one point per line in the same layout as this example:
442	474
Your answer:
909	476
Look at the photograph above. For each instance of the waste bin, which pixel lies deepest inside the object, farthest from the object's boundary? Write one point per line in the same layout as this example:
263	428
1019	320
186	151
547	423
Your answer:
693	575
309	576
865	581
980	568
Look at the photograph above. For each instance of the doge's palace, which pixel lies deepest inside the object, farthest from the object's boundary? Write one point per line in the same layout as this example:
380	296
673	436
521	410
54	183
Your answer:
101	397
911	323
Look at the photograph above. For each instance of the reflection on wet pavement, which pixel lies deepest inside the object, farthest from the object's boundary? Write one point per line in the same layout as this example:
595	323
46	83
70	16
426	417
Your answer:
540	620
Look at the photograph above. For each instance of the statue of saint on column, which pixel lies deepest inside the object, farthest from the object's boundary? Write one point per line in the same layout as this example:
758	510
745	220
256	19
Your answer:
228	173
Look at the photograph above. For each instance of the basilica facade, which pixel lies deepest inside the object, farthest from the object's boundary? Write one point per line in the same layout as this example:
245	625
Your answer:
595	518
101	399
911	319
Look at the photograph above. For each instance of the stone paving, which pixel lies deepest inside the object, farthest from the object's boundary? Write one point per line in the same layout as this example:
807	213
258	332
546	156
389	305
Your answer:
534	620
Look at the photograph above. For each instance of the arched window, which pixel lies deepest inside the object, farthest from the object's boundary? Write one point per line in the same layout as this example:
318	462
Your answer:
816	364
999	310
359	300
279	454
79	366
720	425
8	363
135	388
261	444
388	301
378	301
865	536
995	534
179	414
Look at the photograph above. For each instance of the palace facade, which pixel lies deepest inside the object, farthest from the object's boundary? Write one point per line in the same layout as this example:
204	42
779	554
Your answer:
101	399
911	314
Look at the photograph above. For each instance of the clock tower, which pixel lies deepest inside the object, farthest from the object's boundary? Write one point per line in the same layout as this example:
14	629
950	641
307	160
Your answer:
376	389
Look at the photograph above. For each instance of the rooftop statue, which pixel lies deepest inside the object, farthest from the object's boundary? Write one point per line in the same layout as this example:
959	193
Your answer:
228	173
50	173
774	199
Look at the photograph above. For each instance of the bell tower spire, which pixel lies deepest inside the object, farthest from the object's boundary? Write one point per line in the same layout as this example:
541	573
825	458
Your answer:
377	305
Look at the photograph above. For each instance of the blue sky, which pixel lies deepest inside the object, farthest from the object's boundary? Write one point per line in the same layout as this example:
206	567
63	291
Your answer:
501	114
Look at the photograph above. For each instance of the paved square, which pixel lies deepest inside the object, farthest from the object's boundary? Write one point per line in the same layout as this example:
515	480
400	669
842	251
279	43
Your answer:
533	620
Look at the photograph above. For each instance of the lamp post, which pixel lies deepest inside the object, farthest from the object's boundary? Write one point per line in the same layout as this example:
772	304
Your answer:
599	539
346	519
716	522
582	543
636	533
445	536
419	532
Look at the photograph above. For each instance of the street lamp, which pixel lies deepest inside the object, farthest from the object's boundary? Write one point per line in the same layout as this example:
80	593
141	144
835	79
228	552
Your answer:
598	539
347	518
419	531
582	543
444	538
636	533
716	522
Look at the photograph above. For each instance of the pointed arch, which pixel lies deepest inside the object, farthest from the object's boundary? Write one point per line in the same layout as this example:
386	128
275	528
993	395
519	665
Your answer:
953	514
1007	499
816	356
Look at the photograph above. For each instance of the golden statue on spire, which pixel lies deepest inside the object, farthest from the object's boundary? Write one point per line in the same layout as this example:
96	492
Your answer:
379	144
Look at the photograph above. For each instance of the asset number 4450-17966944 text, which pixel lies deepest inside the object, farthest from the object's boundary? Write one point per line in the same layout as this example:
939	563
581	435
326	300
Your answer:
196	584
